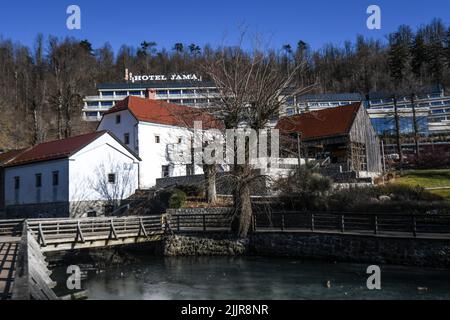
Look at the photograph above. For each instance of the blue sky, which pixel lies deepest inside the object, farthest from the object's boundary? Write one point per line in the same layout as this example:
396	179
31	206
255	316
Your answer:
214	22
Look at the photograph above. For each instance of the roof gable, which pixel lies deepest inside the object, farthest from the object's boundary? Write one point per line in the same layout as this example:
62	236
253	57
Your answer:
57	149
161	112
9	156
321	124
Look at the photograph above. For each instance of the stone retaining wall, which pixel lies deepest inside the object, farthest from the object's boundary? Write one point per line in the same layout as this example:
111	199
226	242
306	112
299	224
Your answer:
56	209
330	247
211	244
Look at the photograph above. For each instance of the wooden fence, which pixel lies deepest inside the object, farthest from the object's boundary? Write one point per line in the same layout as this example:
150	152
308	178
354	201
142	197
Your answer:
11	227
80	230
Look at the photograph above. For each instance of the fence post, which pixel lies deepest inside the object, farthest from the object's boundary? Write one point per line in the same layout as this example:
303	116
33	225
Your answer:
375	224
204	222
312	222
414	226
342	223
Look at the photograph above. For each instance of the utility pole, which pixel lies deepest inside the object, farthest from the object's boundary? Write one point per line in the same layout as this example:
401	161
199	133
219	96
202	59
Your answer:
397	130
415	126
299	155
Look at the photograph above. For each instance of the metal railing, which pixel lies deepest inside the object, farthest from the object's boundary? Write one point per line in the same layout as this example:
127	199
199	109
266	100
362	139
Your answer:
437	226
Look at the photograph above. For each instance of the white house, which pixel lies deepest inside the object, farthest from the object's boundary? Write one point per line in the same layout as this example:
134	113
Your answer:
70	177
157	131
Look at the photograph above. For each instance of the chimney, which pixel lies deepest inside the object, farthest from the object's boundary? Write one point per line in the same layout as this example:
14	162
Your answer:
150	94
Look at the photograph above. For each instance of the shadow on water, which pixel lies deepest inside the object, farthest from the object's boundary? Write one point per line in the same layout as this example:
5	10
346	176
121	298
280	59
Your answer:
256	278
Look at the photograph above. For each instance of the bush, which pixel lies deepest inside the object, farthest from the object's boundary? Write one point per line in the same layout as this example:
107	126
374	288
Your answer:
191	190
303	189
172	198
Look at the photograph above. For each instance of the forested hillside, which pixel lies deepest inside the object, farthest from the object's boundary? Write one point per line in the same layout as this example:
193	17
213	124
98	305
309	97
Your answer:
41	87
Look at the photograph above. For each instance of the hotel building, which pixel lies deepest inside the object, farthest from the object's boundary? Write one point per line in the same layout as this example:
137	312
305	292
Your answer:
432	108
196	94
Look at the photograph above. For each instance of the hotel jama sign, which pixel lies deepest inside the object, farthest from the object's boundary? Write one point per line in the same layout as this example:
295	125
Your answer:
161	77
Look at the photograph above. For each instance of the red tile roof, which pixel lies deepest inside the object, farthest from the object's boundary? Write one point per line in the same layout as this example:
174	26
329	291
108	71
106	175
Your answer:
9	156
57	149
321	124
161	112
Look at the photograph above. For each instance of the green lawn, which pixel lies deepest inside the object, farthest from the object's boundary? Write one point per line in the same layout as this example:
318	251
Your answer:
428	179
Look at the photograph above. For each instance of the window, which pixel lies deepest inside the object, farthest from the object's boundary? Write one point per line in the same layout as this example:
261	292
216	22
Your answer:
55	178
118	119
126	138
112	178
38	180
189	169
135	93
107	93
157	139
180	140
165	171
16	183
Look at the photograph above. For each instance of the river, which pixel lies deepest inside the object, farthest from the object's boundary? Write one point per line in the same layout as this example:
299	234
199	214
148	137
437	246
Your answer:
256	278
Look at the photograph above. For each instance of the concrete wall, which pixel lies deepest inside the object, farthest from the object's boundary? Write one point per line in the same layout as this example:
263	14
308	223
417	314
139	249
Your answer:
142	140
28	193
128	124
155	155
89	169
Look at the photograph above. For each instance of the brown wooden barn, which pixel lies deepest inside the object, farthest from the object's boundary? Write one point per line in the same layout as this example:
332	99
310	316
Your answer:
341	137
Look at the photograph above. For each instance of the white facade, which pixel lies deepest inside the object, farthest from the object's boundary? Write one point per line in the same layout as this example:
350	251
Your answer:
81	177
156	145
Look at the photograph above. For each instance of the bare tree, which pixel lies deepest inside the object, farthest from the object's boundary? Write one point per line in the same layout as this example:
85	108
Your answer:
112	180
252	89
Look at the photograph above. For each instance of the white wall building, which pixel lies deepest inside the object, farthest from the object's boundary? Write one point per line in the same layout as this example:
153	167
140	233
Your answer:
157	131
70	176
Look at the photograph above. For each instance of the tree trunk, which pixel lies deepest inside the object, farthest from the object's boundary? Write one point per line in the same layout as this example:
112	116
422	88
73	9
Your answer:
210	180
244	206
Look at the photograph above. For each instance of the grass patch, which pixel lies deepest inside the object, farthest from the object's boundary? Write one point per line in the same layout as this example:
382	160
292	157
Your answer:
443	193
425	178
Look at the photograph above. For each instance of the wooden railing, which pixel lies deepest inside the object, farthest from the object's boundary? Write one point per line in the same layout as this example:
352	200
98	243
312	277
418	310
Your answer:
32	277
11	227
80	230
358	223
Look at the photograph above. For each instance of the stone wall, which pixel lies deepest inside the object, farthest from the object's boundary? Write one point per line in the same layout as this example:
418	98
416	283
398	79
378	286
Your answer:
56	209
188	211
330	247
224	183
201	244
38	210
352	248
